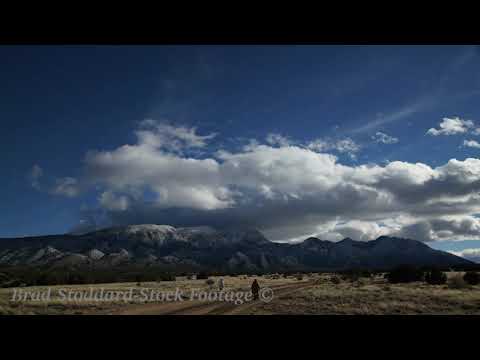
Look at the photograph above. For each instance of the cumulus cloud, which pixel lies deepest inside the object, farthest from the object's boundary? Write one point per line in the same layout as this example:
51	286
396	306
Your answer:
383	138
471	143
460	227
287	191
153	164
452	126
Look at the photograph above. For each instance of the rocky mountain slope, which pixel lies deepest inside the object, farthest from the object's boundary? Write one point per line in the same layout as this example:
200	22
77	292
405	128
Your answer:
208	248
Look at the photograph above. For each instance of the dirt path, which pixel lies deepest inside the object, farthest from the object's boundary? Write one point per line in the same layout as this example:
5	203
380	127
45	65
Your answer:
232	309
207	308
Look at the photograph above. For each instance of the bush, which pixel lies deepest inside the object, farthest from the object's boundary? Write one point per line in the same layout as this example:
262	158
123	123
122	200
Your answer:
335	280
166	277
202	276
350	276
472	278
210	282
457	282
299	277
404	274
435	277
355	274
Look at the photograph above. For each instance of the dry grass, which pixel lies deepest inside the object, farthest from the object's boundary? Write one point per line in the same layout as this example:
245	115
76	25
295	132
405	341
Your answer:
57	306
365	296
376	297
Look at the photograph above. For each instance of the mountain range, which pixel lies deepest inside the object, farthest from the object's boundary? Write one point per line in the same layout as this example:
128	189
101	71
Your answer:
220	249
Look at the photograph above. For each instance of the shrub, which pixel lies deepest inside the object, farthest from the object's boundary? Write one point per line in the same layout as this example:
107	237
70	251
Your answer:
457	282
299	277
350	276
210	282
202	276
404	274
166	277
355	274
335	280
472	278
435	277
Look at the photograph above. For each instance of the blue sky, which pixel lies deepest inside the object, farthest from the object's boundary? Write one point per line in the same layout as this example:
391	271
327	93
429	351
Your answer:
60	102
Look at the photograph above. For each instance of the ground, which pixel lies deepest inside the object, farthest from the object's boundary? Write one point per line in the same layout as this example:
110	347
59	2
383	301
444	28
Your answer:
314	294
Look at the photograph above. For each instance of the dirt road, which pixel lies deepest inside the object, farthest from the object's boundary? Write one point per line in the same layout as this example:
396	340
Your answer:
208	308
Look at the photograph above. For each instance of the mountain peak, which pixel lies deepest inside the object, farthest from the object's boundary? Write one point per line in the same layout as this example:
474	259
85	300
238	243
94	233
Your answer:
246	248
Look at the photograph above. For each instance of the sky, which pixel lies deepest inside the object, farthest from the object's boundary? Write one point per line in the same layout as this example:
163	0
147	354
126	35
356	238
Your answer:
297	141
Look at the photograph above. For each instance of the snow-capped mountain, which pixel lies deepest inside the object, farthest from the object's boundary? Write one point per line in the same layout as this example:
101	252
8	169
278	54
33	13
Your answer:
226	249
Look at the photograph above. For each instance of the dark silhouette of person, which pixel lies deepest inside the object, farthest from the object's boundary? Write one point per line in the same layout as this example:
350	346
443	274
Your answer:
255	289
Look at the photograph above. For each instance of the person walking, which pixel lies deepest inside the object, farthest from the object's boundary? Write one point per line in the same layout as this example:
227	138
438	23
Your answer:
255	289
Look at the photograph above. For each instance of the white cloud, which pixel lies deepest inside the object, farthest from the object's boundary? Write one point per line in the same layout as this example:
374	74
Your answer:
380	137
319	145
175	180
112	202
452	126
471	143
346	145
160	135
285	191
67	186
277	139
35	174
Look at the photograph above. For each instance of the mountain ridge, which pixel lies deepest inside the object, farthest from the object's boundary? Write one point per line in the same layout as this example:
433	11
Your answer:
229	249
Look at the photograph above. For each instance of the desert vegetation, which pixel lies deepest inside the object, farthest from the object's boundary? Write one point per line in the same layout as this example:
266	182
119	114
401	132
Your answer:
472	277
435	277
403	290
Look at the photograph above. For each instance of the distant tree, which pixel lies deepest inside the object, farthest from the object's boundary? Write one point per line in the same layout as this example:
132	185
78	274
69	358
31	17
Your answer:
166	277
435	277
202	276
352	275
472	278
404	274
